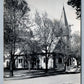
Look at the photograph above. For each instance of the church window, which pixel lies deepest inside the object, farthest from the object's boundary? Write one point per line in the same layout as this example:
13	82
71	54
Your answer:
60	60
20	60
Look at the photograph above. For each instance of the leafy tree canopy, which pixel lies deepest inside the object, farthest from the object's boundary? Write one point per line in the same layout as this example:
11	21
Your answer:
77	5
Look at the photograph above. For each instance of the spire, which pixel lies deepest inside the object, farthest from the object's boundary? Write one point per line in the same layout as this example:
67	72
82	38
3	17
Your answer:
66	32
65	18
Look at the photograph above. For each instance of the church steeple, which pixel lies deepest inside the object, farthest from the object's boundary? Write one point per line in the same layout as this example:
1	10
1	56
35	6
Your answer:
60	44
64	21
65	18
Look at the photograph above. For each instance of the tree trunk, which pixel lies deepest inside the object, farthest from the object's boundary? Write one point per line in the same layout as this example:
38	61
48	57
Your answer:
77	62
37	64
29	66
11	65
46	61
46	64
54	61
11	69
65	66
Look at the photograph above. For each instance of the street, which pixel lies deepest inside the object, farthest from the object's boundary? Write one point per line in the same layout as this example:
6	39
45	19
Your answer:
56	79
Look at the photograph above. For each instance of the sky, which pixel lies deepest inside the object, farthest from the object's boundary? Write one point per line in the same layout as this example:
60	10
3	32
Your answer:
54	11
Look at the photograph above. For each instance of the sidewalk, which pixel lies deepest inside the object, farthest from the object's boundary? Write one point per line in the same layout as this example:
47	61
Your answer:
26	74
22	74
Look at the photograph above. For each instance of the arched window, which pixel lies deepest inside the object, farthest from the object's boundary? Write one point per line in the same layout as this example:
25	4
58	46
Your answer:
60	60
20	60
7	63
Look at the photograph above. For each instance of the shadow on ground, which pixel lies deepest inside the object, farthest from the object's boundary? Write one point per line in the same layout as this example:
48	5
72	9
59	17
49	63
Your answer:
37	73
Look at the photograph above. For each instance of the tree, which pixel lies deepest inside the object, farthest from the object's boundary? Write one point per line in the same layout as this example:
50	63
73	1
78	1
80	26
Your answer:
27	44
13	11
77	5
47	32
76	47
43	32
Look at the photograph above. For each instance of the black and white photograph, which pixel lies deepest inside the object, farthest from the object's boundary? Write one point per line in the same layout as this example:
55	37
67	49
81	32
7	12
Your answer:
42	41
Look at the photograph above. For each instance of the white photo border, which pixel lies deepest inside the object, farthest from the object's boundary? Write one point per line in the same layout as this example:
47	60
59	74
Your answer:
1	41
82	41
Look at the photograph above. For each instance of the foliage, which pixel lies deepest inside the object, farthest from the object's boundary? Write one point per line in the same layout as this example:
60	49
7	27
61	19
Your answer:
17	5
14	10
77	5
75	44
